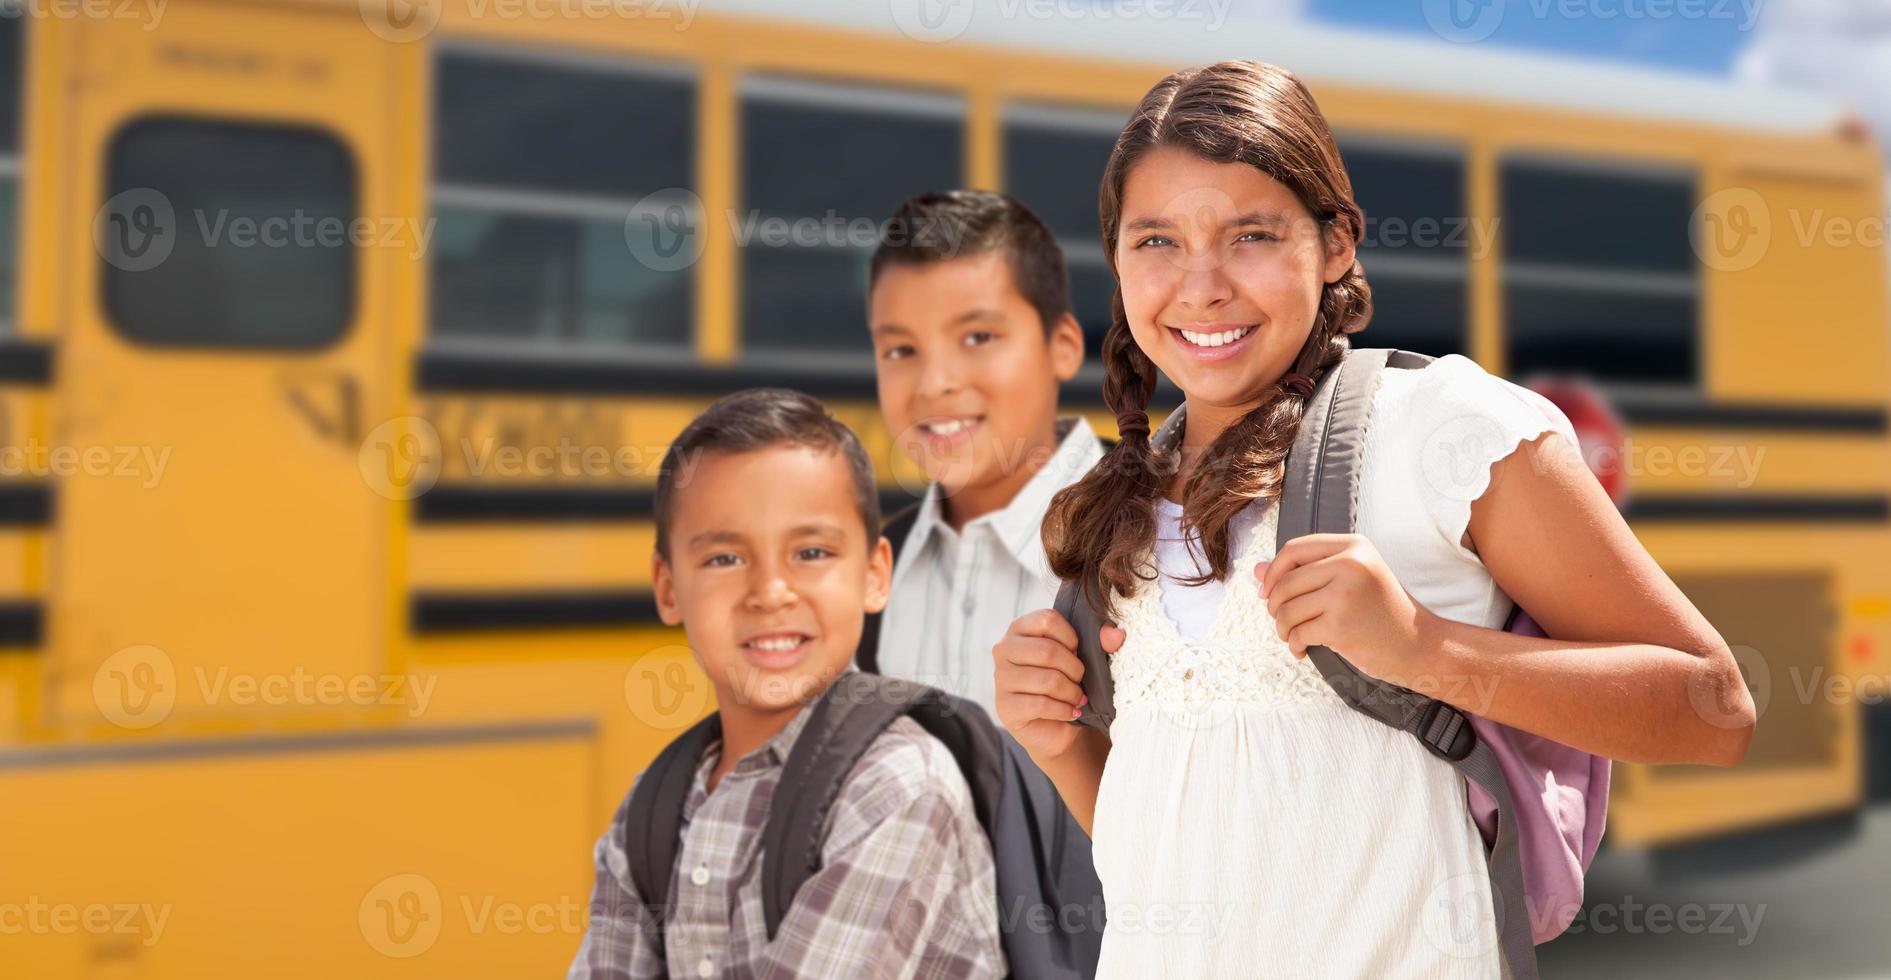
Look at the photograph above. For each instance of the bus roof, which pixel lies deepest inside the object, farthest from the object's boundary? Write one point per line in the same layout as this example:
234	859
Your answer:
1201	31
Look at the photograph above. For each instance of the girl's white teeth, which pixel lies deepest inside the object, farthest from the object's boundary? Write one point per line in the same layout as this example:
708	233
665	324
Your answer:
1216	339
784	643
949	427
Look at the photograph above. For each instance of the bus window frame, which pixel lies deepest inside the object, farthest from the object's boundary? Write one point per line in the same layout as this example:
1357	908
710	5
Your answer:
510	201
113	147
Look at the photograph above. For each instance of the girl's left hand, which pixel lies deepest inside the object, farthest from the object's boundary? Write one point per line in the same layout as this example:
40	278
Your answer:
1336	591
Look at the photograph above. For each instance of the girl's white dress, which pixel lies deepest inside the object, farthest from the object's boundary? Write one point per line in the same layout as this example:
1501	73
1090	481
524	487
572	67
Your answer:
1250	824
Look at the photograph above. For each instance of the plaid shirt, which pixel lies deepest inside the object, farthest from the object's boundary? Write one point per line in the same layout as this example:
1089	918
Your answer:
906	887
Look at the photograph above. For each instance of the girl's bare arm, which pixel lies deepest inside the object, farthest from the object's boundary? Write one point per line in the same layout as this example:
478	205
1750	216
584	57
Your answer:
1635	673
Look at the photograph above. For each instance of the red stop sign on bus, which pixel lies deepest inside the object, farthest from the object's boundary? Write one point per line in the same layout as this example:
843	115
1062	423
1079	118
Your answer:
1600	431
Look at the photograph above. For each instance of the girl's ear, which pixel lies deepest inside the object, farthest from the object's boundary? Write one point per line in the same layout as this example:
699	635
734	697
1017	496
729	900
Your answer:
1339	251
1066	344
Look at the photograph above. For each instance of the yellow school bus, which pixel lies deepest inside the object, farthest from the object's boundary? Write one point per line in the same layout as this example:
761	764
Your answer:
343	340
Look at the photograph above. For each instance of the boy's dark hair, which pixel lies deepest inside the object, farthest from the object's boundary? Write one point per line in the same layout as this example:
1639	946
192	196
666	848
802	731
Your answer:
757	418
946	225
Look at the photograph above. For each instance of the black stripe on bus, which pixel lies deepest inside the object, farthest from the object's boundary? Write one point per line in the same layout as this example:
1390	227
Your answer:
1773	508
452	504
24	361
558	373
480	612
377	739
1701	414
476	372
25	503
22	623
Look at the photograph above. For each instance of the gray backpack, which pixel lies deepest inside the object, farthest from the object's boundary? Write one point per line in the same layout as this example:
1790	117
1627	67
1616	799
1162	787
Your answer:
1018	810
1321	495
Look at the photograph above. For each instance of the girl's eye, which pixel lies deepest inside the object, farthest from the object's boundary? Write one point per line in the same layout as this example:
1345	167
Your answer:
896	353
979	337
1257	236
813	552
1157	240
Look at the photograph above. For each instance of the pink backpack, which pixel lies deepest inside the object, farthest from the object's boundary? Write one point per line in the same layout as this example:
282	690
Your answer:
1540	804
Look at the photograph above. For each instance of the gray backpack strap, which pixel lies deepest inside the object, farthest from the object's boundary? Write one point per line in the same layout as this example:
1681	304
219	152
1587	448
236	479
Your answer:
653	815
846	720
1071	604
1321	496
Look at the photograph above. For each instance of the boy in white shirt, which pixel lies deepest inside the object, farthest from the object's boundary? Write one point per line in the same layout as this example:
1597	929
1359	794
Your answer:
972	336
969	306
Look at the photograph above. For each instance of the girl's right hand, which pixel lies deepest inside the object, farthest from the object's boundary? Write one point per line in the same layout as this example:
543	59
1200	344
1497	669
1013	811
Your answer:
1039	681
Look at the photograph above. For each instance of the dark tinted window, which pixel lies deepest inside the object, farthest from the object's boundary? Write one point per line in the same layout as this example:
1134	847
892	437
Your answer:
822	167
579	128
1599	276
12	94
1570	215
1418	246
226	234
1054	158
547	169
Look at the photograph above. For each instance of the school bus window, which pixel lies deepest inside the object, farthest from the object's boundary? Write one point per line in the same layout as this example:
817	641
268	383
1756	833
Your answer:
1599	277
1418	242
1054	158
10	98
228	234
807	232
541	161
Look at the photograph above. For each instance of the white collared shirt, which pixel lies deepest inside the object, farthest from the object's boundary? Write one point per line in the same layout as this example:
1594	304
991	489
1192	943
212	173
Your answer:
955	593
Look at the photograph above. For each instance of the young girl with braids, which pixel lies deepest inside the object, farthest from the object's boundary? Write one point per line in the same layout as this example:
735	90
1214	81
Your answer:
1245	822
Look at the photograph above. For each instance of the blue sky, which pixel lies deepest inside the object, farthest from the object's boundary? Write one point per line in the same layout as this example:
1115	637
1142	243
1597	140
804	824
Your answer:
1687	35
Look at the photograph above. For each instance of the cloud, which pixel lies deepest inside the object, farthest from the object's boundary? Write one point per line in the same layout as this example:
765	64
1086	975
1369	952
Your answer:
1837	48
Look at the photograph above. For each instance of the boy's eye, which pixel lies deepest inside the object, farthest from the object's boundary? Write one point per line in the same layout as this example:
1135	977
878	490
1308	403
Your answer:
1257	236
1156	240
720	560
980	337
813	552
901	351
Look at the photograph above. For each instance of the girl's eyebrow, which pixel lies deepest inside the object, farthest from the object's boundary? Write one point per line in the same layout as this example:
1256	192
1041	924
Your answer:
1240	220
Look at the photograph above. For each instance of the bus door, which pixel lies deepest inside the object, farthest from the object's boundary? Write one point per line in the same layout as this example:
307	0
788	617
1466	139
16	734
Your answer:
216	543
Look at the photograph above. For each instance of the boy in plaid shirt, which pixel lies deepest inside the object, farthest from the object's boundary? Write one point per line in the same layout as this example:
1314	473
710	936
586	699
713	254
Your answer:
766	555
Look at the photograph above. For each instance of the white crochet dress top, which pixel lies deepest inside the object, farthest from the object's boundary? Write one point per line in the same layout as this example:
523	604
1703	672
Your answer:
1250	824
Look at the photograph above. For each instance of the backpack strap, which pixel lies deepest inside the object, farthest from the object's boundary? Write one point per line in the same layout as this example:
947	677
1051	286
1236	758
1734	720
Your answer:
895	531
846	720
1086	620
653	818
1321	496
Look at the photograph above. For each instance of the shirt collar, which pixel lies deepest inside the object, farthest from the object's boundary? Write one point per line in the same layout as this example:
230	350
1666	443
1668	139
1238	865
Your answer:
772	754
1017	523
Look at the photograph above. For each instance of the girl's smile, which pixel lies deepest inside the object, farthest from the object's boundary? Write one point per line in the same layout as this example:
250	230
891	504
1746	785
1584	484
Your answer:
1213	342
